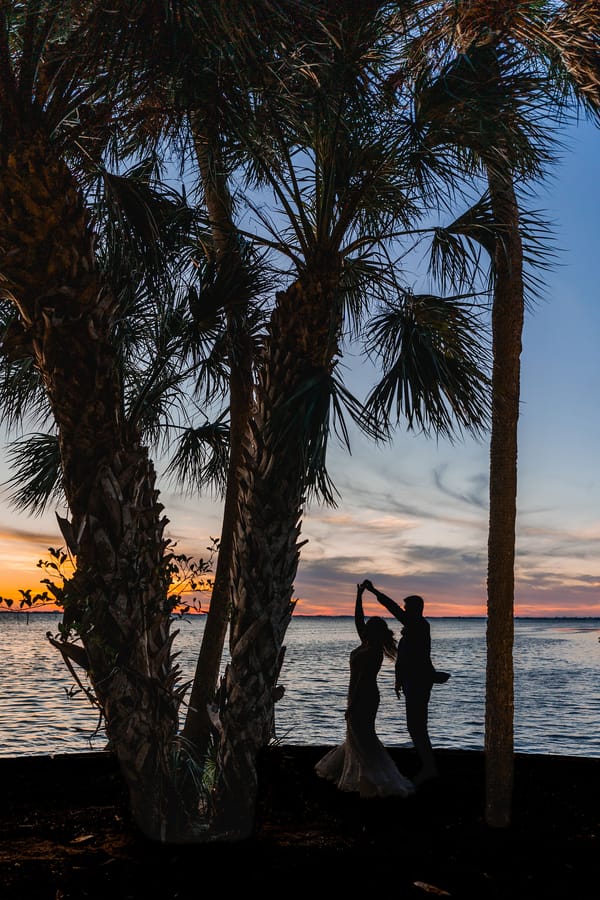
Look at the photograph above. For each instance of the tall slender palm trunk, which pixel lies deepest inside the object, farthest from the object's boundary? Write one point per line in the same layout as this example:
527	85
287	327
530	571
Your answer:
198	725
117	599
301	343
507	328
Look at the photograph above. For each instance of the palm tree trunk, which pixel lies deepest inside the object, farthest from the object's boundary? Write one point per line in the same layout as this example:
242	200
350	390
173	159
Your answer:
117	599
198	727
507	327
302	341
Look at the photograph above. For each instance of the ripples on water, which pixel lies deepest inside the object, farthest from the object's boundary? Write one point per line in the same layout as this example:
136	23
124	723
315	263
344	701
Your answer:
557	689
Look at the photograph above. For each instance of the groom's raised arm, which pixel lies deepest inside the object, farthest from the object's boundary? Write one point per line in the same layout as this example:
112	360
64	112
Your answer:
386	601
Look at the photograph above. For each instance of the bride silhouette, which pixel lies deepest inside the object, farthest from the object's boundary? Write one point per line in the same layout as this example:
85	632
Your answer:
362	763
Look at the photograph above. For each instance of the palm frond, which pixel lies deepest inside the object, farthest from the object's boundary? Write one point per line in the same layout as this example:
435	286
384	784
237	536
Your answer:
572	37
146	224
153	399
211	368
226	303
455	254
37	479
435	365
305	419
455	258
539	251
344	402
22	396
316	410
362	284
201	458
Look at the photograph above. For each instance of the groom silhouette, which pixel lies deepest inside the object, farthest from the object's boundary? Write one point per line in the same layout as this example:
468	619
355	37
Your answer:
415	674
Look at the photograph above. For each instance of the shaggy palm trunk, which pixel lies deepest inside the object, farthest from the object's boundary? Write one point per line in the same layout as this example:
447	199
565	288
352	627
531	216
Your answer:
507	328
301	344
198	727
117	599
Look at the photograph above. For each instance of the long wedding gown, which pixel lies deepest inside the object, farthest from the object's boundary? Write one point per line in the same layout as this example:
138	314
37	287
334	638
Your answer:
362	763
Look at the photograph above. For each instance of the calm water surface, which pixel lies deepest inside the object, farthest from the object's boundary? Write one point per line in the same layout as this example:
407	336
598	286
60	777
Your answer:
557	686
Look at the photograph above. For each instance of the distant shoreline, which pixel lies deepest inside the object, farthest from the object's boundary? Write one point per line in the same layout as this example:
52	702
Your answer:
192	615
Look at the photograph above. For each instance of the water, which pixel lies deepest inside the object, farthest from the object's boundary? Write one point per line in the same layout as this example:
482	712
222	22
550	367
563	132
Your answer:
557	688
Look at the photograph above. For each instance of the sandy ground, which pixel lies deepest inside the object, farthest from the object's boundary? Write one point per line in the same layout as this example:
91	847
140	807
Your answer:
65	833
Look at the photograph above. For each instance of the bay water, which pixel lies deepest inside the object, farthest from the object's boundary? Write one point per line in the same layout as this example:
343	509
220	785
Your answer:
557	685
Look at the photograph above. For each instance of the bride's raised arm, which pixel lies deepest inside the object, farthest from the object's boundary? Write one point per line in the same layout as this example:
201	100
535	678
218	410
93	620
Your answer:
359	616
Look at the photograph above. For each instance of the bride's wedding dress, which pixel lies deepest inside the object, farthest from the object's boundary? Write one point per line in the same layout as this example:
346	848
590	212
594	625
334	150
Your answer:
362	763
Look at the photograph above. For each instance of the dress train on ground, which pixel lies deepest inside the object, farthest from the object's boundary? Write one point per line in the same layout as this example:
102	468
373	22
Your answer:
364	767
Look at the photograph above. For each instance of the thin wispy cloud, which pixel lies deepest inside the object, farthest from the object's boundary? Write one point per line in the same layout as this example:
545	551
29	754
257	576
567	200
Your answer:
476	496
43	539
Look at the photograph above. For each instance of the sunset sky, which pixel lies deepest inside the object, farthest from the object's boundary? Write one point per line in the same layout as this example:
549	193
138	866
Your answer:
412	516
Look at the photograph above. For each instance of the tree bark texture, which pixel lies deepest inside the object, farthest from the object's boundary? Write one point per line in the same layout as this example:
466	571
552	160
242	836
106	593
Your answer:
302	341
117	600
507	328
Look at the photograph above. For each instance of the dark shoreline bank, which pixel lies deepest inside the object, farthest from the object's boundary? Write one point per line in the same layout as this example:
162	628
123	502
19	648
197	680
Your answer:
65	834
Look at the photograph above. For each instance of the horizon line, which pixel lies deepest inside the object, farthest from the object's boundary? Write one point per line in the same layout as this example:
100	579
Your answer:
194	615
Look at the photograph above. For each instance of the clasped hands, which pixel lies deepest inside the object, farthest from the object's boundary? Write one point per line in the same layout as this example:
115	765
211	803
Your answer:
366	585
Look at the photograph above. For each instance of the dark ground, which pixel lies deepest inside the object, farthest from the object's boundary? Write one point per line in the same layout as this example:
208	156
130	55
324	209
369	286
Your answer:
65	834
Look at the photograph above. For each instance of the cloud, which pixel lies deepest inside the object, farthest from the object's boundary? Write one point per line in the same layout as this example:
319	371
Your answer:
448	565
477	496
382	500
329	583
20	535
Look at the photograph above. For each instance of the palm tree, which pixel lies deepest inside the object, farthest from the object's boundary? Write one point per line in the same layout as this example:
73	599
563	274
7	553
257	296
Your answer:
515	63
117	598
172	51
324	144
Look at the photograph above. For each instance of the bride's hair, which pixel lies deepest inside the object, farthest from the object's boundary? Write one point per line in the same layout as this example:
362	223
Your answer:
379	634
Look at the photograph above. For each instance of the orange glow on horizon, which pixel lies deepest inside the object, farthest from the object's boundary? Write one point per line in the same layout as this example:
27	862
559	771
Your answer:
305	608
322	605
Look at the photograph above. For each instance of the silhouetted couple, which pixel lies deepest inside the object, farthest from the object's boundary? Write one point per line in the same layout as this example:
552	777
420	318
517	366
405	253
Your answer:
362	763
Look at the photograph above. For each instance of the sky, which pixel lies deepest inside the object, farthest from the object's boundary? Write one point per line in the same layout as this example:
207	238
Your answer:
413	515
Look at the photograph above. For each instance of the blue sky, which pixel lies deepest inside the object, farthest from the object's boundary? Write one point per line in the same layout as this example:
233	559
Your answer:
412	515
